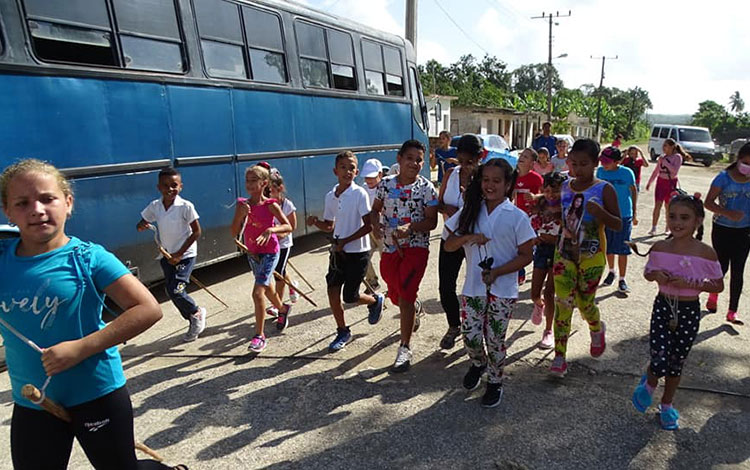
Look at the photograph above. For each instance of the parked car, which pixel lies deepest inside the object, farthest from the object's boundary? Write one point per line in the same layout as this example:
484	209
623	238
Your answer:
695	140
6	231
566	137
735	146
495	146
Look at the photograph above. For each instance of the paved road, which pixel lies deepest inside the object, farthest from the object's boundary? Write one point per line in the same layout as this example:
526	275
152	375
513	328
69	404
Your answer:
212	405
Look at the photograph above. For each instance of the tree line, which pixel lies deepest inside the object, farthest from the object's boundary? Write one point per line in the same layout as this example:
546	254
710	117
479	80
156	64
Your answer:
490	83
725	123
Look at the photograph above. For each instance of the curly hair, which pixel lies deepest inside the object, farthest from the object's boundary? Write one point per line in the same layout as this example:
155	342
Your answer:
32	165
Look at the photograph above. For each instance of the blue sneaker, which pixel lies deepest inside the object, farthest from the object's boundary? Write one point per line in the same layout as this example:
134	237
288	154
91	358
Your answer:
376	309
669	418
641	398
343	336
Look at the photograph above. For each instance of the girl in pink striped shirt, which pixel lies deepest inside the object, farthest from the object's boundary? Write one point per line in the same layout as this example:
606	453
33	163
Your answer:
665	174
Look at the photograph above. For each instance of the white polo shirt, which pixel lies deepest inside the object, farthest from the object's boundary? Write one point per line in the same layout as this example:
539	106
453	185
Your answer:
507	227
346	212
173	224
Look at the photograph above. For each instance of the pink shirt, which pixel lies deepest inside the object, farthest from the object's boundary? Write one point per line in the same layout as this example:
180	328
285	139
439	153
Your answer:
543	170
667	167
259	219
692	268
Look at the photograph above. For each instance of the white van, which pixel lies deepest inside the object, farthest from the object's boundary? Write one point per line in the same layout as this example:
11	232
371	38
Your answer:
695	140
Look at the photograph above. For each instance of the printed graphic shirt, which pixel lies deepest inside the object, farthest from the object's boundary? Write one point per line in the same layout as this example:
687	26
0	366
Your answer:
530	183
51	298
582	234
403	205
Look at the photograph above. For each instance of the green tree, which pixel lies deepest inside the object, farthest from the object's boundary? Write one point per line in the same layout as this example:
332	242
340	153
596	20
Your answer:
736	103
533	77
710	114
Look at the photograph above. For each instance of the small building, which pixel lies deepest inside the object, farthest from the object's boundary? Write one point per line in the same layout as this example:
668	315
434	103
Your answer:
580	127
516	127
439	113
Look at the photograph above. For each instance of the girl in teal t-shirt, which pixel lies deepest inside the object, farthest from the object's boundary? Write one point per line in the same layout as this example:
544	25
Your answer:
51	298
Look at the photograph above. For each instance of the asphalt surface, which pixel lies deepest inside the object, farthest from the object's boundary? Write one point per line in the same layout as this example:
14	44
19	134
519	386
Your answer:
212	404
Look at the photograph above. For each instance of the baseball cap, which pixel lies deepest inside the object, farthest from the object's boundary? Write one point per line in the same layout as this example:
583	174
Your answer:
371	168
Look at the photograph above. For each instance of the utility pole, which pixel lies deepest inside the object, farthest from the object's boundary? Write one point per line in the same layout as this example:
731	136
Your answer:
600	92
411	23
549	57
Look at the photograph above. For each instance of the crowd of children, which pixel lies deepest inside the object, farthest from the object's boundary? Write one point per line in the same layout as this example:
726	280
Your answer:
571	216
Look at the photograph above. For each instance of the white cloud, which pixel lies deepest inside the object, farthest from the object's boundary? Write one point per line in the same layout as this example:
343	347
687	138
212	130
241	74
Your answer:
433	50
373	13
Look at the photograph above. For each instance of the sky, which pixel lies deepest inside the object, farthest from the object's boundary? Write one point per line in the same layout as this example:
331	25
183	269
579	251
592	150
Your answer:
681	52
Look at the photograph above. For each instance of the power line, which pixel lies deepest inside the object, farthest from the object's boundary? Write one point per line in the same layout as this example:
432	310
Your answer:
460	28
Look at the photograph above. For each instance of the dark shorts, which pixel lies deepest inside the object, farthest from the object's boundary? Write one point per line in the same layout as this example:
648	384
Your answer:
544	253
283	258
348	270
617	241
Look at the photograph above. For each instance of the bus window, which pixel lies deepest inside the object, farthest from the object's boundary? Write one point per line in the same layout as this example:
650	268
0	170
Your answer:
373	56
313	59
394	72
341	53
417	101
221	38
265	46
79	31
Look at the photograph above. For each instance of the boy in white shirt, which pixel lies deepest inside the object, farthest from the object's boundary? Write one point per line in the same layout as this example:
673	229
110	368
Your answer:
347	215
179	230
372	172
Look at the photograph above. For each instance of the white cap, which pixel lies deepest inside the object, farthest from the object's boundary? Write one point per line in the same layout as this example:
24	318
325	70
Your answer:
371	168
394	170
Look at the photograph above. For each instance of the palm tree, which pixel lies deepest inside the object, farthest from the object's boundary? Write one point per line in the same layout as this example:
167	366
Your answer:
736	103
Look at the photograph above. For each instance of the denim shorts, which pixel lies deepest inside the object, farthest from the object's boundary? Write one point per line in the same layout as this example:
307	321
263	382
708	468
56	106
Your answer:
543	255
617	241
262	265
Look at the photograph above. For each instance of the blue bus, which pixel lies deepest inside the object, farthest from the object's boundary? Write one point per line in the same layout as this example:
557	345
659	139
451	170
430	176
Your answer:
111	91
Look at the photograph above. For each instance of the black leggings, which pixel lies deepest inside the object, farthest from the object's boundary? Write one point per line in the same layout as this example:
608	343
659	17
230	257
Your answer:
103	427
732	246
449	264
670	348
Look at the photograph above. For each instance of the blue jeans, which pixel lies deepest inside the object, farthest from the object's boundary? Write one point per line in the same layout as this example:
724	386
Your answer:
177	278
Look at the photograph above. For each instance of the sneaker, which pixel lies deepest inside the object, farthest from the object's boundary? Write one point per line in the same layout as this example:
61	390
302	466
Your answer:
282	321
492	396
669	418
598	342
272	312
641	397
732	317
449	338
403	359
293	295
711	306
197	325
622	286
375	310
473	377
537	314
609	280
559	367
418	314
548	340
652	232
258	343
343	336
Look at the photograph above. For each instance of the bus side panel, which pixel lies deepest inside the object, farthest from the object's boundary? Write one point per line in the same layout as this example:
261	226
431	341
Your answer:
291	170
75	122
319	179
201	121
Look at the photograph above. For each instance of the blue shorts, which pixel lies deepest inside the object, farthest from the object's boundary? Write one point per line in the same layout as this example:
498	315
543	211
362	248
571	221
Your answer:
617	241
544	253
262	265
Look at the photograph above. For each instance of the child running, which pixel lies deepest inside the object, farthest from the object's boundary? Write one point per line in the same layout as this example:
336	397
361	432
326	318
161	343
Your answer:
347	215
665	174
542	163
277	191
52	289
408	202
623	180
498	240
683	267
178	232
451	199
260	237
588	204
730	235
635	160
546	221
372	172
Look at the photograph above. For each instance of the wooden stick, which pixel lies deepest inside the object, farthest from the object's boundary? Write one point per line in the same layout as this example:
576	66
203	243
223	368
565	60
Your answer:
33	394
276	275
289	263
198	283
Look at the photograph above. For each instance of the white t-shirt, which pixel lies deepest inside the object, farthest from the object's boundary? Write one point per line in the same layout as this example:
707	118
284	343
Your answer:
173	224
452	195
346	212
286	208
371	193
507	227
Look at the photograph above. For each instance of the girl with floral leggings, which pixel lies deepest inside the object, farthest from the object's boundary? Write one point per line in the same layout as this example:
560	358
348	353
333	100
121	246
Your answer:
589	204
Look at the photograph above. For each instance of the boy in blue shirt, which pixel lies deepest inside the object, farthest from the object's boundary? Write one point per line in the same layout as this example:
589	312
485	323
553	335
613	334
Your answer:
623	180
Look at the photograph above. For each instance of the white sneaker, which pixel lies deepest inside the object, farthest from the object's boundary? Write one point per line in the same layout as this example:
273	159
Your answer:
272	312
197	325
293	295
403	359
652	231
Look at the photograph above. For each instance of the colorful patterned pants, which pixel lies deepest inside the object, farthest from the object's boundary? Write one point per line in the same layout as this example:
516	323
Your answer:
484	327
575	286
